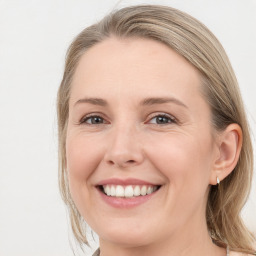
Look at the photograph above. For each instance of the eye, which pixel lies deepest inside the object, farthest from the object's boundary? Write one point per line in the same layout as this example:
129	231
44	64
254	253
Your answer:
162	119
92	120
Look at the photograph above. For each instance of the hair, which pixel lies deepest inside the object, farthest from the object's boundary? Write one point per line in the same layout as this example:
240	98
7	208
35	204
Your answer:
192	40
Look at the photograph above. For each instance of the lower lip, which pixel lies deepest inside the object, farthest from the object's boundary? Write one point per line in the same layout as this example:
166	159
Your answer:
121	202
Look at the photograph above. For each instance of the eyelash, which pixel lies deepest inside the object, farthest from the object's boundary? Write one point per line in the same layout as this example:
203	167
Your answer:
170	119
88	117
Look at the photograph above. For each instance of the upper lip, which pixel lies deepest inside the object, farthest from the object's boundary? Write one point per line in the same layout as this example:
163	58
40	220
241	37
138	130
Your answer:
129	181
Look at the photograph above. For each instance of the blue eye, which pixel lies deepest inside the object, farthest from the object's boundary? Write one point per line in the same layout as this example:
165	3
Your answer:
162	119
93	120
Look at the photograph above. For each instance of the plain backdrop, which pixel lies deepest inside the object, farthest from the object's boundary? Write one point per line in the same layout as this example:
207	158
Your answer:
34	36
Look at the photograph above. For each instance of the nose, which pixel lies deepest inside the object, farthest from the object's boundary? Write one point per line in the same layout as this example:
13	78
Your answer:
124	148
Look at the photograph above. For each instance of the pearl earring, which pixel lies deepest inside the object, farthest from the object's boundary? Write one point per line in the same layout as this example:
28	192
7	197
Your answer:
218	180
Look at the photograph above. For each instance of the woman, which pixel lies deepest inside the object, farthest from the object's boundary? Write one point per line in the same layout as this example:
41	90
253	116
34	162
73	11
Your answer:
155	153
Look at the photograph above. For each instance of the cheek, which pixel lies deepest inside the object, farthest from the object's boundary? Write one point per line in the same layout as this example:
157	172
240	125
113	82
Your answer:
83	156
185	164
184	160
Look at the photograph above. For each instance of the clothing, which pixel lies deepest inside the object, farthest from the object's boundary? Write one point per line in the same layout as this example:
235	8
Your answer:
97	252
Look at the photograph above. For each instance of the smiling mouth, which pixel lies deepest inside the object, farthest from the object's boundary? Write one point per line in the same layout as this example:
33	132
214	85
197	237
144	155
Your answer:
128	191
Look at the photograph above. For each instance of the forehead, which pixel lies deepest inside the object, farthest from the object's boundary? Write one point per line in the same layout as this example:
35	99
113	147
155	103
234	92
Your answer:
134	67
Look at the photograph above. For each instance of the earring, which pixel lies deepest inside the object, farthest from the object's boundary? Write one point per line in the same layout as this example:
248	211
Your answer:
218	180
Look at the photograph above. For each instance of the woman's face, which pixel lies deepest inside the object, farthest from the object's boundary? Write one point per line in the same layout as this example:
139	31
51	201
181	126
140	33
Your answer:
138	124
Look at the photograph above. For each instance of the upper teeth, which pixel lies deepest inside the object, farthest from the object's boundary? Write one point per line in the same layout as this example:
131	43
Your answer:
128	191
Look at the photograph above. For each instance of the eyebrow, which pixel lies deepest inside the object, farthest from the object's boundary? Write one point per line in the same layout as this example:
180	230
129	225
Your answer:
159	100
93	101
145	102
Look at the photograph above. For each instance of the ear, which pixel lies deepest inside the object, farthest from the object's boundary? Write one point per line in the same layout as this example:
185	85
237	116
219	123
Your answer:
229	148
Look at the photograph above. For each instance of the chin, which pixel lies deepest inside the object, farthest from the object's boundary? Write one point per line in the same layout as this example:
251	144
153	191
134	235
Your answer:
132	237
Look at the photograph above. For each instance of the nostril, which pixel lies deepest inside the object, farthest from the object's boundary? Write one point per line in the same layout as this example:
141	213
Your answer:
111	162
130	161
121	163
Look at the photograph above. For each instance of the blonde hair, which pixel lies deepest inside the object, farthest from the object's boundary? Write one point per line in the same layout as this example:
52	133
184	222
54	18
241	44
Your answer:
192	40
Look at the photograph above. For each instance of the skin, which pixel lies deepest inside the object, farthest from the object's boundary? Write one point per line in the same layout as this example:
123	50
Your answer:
184	154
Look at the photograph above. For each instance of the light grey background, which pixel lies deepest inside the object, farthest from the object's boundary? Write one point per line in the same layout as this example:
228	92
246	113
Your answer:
34	36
